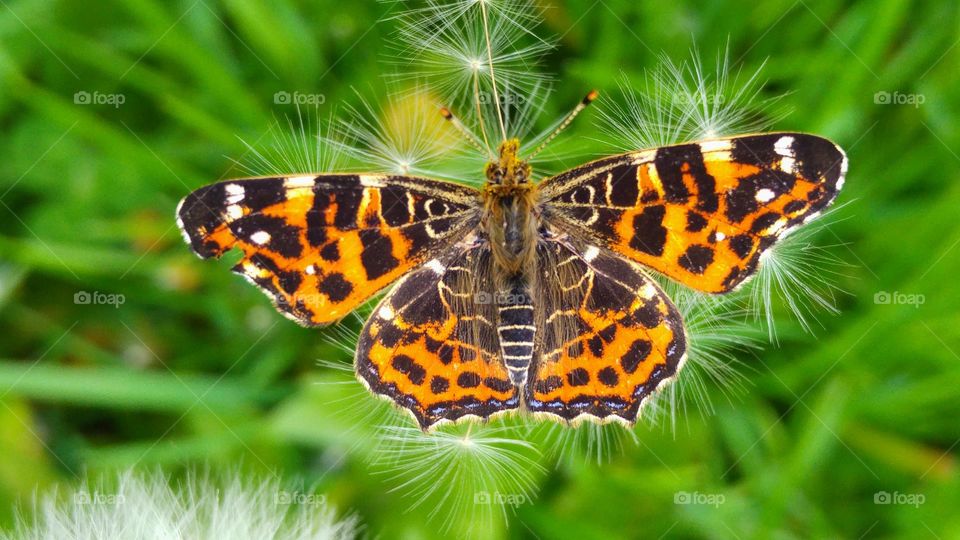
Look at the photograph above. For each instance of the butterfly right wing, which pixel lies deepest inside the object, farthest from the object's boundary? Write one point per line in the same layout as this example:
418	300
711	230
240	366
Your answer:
701	213
608	336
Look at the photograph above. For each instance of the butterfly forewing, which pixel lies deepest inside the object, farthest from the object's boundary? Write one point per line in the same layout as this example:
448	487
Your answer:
701	213
320	245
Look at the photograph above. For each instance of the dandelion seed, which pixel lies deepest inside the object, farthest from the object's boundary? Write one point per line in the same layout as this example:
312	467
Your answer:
469	475
408	136
587	441
473	54
300	144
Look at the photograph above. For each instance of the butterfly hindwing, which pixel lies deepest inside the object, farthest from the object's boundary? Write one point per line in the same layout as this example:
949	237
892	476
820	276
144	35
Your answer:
609	337
701	213
319	245
431	344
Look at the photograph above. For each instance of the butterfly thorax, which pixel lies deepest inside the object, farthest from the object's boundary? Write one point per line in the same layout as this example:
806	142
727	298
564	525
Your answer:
509	218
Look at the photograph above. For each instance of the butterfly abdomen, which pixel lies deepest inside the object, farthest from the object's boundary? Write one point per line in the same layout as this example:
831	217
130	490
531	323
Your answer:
515	329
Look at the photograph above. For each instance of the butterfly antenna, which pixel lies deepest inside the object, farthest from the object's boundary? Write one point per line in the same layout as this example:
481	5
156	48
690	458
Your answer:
587	100
448	116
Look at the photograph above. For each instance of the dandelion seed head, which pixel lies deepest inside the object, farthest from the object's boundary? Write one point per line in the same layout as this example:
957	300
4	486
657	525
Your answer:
139	506
687	101
801	275
718	332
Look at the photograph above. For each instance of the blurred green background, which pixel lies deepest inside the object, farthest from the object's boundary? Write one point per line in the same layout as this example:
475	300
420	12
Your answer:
195	368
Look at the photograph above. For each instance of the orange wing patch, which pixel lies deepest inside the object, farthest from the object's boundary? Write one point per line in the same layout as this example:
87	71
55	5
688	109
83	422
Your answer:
700	213
320	245
432	348
611	337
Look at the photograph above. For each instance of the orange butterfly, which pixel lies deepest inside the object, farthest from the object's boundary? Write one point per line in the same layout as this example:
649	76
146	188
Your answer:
521	295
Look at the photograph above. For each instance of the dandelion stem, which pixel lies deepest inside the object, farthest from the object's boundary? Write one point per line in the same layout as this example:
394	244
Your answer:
476	95
493	79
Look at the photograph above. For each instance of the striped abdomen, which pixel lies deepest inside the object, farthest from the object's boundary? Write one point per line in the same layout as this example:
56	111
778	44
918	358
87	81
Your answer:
515	329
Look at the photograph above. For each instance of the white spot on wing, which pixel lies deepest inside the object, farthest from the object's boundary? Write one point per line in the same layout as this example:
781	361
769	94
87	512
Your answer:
764	195
234	212
235	193
777	226
643	157
591	253
369	180
260	237
720	236
386	312
436	266
784	146
294	182
310	270
722	145
648	291
180	225
788	165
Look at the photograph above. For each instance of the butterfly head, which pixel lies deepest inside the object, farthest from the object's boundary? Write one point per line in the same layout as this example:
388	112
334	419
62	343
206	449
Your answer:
509	169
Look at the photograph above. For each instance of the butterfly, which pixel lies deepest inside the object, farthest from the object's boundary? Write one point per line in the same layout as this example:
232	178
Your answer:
521	295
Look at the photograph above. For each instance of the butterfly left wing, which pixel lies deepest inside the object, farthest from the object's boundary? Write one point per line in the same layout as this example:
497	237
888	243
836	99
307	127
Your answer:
320	245
608	336
431	345
701	213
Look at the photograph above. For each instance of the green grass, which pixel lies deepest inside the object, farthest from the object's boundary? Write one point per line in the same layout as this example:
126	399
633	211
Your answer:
195	368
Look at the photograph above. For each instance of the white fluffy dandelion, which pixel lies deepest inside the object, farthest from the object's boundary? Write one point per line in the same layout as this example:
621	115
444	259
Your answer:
148	507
